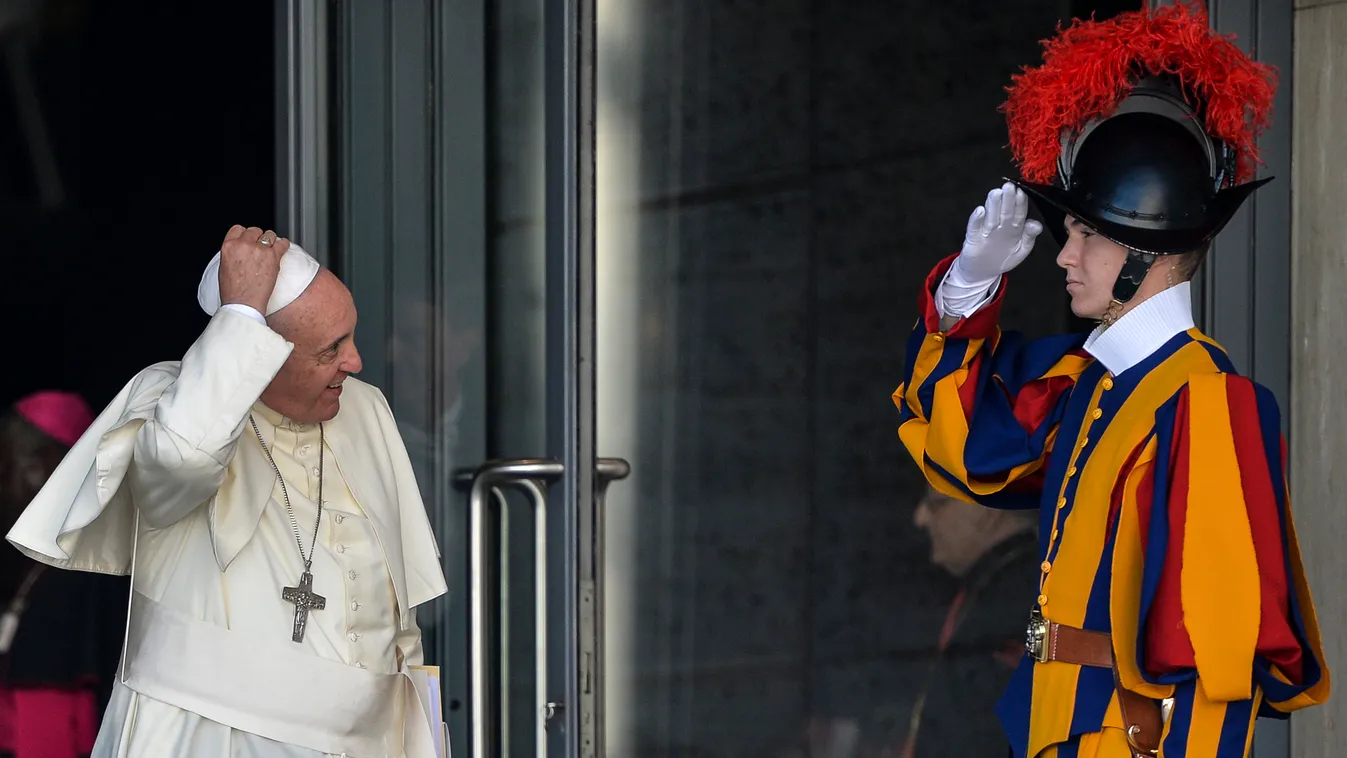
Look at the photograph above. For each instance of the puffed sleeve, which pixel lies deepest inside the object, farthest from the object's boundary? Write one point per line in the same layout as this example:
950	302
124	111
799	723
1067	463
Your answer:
1226	622
978	408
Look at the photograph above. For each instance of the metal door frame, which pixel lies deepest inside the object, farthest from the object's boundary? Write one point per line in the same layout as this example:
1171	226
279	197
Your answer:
394	116
302	113
569	99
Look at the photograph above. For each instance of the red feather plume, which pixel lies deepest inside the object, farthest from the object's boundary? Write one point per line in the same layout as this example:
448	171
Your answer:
1087	70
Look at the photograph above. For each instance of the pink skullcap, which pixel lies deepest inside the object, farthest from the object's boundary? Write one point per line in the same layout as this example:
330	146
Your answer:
63	416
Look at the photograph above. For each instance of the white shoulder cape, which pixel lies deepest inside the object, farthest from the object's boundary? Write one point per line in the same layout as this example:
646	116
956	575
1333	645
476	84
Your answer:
84	518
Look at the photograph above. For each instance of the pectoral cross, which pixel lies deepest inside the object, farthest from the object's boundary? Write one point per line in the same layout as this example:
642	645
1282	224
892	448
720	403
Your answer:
305	600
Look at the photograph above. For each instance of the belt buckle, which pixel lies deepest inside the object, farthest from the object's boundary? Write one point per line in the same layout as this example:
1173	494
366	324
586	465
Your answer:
1036	637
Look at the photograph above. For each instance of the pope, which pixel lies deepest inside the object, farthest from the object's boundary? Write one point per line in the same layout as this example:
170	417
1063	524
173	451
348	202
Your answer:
262	501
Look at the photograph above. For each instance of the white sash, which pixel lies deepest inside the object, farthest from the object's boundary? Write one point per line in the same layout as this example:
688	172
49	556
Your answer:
263	688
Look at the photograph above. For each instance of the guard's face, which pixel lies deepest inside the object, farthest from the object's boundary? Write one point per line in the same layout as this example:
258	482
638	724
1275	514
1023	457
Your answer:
1092	264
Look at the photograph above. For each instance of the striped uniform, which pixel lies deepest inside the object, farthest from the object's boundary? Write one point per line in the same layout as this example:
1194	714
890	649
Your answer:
1164	521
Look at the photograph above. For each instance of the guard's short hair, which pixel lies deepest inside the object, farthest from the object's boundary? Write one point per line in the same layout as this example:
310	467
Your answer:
1186	265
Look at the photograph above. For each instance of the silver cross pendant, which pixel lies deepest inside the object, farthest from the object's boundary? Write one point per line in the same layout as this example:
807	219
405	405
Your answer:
305	600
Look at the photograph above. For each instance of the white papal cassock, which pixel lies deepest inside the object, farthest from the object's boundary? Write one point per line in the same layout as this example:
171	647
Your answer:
171	485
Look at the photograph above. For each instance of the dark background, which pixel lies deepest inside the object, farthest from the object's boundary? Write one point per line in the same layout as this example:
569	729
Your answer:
160	116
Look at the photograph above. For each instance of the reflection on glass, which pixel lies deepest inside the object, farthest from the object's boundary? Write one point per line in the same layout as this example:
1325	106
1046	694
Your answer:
774	180
517	396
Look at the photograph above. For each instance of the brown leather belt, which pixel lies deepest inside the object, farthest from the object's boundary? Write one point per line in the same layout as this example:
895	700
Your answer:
1049	641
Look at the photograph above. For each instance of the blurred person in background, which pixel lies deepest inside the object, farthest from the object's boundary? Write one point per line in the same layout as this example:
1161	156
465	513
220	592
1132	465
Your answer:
61	631
993	555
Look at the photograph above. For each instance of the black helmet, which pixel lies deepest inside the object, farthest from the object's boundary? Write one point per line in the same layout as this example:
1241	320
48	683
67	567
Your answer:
1147	173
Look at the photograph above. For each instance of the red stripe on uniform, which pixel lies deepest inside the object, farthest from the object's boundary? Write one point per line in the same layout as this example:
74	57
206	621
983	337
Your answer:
1276	641
980	324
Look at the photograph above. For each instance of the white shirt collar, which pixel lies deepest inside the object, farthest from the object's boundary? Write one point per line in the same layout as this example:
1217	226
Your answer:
1143	330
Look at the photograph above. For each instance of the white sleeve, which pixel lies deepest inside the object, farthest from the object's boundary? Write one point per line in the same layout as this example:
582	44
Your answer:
181	452
960	298
246	310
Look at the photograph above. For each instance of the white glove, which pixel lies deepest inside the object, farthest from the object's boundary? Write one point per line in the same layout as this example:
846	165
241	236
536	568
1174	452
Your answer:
998	238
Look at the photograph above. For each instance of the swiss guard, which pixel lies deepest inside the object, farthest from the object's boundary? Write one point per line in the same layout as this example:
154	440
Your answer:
1172	606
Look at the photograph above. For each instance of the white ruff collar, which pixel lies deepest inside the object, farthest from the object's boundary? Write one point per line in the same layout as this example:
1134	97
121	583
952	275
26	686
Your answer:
1142	330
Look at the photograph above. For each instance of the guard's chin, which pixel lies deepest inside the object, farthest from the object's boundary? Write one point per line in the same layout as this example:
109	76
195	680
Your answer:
1086	310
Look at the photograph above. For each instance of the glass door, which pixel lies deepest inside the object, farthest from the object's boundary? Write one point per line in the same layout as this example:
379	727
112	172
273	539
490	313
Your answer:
455	173
689	236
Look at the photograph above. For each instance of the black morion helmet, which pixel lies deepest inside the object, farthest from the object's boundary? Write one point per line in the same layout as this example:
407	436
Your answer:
1148	177
1144	128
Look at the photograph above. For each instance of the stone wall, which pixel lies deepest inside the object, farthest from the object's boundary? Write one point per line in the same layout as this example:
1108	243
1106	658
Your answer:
1319	342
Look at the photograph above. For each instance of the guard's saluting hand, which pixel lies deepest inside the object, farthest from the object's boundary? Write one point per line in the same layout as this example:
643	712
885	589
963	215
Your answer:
998	236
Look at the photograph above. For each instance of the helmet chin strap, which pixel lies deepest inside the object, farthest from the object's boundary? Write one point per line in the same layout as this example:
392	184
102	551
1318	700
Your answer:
1129	278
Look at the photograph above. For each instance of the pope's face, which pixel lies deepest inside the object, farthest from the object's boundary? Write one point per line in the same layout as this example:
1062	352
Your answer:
322	329
1092	264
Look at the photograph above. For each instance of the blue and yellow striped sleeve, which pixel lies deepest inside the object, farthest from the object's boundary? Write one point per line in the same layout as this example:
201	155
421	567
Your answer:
978	408
1224	618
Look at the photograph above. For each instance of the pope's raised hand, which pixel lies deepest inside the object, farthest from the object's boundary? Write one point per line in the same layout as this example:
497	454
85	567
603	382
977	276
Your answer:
999	236
250	261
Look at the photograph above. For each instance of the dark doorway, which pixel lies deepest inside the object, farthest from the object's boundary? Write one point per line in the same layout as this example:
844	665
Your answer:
132	135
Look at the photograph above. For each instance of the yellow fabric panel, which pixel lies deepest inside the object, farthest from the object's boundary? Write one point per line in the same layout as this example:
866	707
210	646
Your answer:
1070	365
949	434
1204	727
1219	584
948	428
1110	743
1069	583
915	433
941	431
1054	704
1125	595
1205	724
1113	714
928	359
